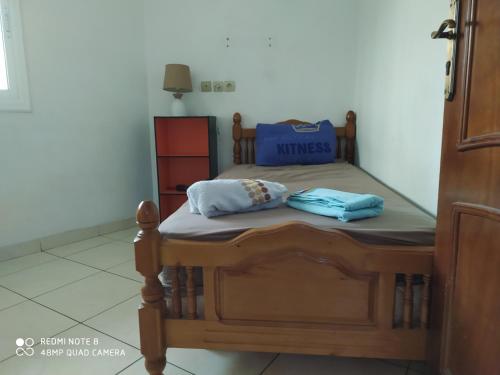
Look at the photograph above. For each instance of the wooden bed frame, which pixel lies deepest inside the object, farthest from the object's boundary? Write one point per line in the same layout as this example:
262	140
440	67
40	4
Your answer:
289	288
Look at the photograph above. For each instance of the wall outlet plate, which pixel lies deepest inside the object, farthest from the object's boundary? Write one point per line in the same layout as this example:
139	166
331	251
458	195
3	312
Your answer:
229	86
206	86
218	86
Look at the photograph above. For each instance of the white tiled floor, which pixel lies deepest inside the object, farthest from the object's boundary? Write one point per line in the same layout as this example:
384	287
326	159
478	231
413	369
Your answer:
91	289
9	267
8	298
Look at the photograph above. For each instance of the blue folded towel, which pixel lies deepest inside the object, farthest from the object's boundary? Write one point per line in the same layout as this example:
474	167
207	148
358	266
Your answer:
342	205
223	197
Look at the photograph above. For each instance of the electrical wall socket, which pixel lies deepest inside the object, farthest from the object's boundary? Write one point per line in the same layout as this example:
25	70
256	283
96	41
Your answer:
218	86
229	86
206	86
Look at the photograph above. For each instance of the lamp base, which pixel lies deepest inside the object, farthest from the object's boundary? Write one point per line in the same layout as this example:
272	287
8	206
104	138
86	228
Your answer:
178	107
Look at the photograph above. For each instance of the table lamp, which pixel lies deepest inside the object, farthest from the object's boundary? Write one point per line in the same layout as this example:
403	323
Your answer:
178	81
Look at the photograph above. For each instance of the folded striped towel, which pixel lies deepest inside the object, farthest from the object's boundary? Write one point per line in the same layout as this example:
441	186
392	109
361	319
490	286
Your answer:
342	205
224	196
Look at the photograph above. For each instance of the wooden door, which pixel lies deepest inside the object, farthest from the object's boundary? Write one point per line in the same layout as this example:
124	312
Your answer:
466	295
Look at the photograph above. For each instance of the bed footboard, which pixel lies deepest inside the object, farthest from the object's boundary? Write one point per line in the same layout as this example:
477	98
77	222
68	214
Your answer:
287	288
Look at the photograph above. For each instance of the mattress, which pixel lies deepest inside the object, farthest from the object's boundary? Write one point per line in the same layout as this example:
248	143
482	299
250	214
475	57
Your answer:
401	223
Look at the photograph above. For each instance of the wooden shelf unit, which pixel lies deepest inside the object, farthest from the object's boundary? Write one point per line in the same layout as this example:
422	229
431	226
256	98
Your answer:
186	152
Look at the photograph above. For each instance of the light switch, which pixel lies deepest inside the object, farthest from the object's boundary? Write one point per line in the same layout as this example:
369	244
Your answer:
206	86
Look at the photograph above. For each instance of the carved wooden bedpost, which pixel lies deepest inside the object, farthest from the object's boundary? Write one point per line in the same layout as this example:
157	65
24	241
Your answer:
237	138
350	133
153	310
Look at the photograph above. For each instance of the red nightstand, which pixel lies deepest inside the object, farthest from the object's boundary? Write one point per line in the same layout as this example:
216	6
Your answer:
186	152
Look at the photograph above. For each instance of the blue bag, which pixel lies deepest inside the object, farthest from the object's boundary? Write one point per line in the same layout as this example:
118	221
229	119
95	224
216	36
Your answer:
285	144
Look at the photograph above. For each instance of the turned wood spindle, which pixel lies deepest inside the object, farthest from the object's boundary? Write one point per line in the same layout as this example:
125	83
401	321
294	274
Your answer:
247	151
153	309
191	293
350	133
237	133
176	312
424	308
408	301
252	151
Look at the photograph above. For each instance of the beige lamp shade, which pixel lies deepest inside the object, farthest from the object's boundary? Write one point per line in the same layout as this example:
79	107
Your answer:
177	78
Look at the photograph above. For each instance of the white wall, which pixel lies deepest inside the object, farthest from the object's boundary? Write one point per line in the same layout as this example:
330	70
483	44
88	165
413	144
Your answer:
399	95
327	56
307	73
80	158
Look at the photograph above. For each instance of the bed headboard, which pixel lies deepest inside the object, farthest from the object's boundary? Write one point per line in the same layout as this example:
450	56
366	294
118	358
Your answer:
244	139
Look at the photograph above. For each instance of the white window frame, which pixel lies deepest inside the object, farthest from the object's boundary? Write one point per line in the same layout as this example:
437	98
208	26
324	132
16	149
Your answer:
17	97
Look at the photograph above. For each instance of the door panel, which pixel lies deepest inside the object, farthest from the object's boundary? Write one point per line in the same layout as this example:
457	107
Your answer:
465	316
481	117
473	302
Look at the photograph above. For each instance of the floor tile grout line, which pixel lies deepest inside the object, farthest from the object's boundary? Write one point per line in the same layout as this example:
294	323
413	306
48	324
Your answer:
120	264
13	291
30	267
75	261
123	240
65	285
107	334
100	269
69	317
180	368
54	310
97	268
269	364
125	277
80	240
134	225
32	299
15	304
20	256
105	235
79	251
82	322
109	308
93	316
85	239
47	252
168	363
130	365
60	258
